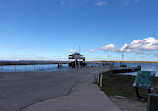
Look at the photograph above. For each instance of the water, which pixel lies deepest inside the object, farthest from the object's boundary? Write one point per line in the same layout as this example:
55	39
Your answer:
39	68
144	67
53	67
31	68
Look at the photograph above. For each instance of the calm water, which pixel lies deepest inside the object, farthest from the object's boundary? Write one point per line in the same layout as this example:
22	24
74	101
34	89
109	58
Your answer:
30	68
144	67
40	68
53	67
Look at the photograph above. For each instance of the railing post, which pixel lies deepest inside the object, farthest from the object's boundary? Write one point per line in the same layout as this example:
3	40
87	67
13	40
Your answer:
101	78
2	72
1	68
15	68
98	79
96	76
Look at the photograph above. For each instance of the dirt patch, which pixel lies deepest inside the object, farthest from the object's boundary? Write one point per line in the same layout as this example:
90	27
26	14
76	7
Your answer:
129	104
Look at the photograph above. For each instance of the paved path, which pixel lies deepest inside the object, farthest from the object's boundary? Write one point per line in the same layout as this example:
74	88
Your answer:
18	90
83	97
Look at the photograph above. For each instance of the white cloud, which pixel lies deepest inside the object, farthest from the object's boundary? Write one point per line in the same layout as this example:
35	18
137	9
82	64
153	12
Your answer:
76	3
72	51
125	49
110	47
100	3
91	50
122	49
73	3
136	46
147	44
127	2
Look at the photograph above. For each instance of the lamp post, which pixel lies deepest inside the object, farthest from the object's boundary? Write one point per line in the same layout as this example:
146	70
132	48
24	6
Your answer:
122	56
79	58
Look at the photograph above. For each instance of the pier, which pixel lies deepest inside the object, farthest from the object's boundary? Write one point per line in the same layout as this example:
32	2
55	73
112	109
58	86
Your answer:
21	90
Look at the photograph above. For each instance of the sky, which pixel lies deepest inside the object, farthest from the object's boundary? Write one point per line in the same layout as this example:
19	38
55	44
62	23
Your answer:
103	29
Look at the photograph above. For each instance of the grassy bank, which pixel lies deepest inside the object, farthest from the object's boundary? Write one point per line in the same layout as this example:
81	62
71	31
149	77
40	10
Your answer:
121	85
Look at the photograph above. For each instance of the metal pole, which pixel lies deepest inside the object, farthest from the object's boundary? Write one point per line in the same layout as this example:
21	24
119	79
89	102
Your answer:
2	72
122	55
1	68
15	68
75	62
137	93
79	58
101	78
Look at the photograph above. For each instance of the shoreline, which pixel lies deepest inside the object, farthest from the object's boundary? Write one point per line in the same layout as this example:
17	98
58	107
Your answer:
64	62
126	61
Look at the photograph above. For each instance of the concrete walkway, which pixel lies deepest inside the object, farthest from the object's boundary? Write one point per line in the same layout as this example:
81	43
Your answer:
83	97
25	90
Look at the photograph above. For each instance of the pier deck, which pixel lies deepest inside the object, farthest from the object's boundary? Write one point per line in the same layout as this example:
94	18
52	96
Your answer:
22	89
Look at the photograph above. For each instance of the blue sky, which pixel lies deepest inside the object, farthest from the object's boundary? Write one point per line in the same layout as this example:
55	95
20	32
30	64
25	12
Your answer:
53	29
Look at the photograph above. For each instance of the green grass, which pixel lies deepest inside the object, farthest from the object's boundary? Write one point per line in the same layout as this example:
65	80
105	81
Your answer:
121	85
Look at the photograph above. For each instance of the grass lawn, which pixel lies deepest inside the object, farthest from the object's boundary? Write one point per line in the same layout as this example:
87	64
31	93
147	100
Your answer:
121	85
